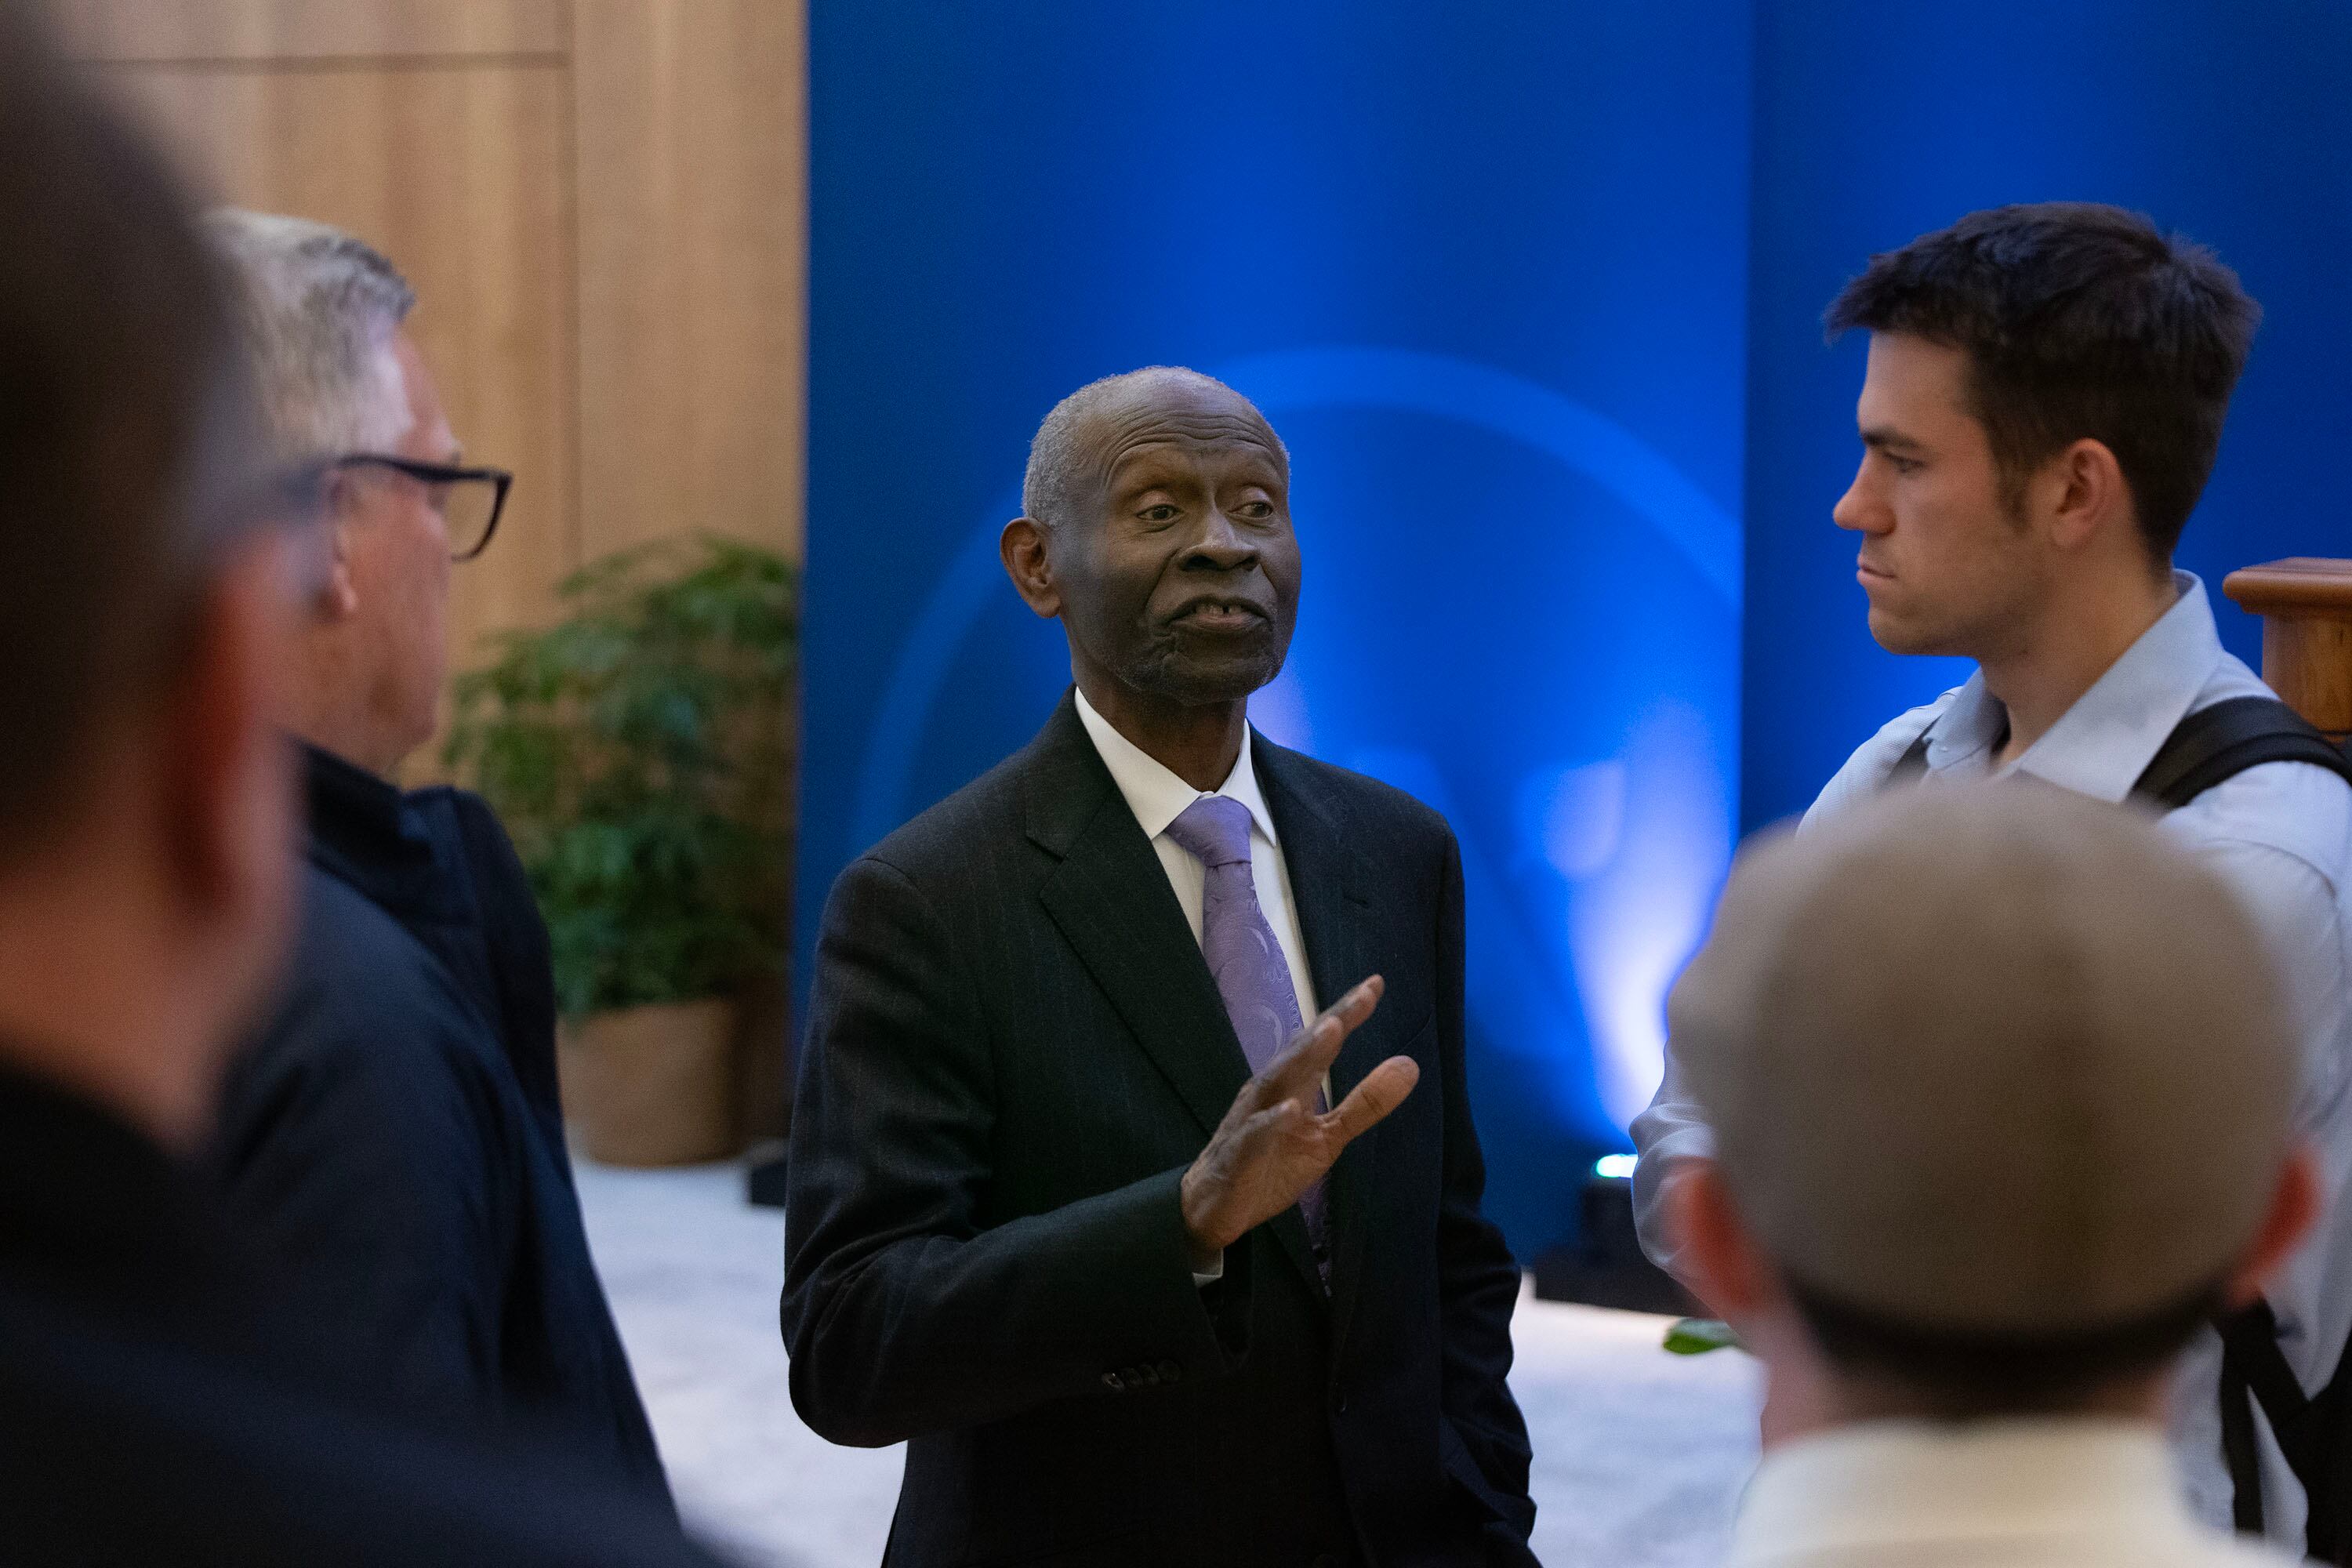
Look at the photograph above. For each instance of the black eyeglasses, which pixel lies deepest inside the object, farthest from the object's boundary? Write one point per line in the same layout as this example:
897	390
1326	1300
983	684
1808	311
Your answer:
469	499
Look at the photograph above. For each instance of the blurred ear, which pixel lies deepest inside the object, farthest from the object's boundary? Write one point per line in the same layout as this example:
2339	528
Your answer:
2295	1210
227	768
1713	1250
1023	546
338	595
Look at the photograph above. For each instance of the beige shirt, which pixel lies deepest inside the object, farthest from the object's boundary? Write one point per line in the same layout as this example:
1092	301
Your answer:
2058	1493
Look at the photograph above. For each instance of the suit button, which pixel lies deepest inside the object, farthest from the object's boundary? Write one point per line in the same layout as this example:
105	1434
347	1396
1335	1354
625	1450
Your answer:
1170	1373
1115	1383
1147	1374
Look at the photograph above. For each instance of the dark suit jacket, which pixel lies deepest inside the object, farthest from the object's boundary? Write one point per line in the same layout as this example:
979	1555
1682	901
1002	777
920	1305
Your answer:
1014	1050
159	1405
392	1137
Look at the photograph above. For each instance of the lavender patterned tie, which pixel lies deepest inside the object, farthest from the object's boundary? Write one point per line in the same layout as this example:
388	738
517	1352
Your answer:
1252	974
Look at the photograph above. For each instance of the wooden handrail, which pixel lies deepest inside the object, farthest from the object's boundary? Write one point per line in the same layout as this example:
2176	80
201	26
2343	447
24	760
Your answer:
2305	603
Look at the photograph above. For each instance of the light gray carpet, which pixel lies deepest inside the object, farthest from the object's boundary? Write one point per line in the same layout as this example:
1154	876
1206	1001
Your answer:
1639	1455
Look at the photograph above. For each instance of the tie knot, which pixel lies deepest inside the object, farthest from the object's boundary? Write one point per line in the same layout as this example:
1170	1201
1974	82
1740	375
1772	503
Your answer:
1215	827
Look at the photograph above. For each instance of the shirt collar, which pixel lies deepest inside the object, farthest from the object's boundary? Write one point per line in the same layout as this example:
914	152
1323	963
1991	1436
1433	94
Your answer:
1881	1482
2100	745
1154	793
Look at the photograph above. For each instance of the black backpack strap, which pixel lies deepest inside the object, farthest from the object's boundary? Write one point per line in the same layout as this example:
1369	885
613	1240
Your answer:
2223	741
2254	1371
1912	765
2206	748
2241	1454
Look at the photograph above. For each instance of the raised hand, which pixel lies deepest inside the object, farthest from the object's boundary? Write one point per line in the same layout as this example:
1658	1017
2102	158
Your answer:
1272	1144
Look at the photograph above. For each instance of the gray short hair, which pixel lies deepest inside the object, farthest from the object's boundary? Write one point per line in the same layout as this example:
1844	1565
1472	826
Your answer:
320	309
1049	491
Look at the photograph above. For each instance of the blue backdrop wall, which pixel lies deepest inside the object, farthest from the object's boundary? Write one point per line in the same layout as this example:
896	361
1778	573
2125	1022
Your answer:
1492	270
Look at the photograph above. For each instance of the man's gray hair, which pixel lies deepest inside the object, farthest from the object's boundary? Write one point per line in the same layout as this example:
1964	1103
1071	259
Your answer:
320	309
1056	478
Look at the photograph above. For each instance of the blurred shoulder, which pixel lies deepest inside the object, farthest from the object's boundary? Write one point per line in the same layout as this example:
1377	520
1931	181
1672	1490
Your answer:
363	996
1379	811
943	842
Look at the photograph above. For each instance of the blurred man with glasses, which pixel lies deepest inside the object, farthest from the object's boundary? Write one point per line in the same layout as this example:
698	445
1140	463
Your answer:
393	1133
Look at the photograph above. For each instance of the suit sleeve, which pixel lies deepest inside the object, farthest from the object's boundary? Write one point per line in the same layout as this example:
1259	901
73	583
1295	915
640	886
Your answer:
904	1310
1478	1283
368	1167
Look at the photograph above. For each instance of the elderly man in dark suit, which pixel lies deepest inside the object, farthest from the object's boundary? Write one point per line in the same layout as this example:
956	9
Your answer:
1145	1272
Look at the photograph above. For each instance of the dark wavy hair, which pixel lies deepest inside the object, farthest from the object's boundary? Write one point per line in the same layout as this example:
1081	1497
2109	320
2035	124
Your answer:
2079	320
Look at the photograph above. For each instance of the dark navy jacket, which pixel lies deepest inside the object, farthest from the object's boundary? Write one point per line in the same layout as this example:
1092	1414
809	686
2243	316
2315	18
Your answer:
393	1136
155	1406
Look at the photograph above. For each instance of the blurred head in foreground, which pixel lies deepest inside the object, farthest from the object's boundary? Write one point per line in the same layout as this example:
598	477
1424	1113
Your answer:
344	387
2001	1084
147	587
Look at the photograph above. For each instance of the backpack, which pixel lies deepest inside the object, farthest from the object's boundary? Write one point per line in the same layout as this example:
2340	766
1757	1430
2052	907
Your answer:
2313	1431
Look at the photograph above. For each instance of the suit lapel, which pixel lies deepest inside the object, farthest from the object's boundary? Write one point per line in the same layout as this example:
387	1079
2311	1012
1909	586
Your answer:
1331	884
1111	900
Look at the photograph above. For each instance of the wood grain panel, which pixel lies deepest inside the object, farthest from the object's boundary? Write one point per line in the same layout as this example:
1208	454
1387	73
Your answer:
460	175
692	175
282	31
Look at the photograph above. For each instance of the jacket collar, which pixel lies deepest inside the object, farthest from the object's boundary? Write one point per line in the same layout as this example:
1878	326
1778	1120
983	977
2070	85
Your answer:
364	831
2105	740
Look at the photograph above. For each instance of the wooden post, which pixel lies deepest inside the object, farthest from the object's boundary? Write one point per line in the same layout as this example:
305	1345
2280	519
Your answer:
2306	605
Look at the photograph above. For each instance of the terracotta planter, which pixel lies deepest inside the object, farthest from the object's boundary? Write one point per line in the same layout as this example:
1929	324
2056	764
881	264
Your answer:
652	1085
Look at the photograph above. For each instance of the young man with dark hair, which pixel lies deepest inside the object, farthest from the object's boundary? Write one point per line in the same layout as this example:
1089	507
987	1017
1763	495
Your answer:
2043	402
1974	1302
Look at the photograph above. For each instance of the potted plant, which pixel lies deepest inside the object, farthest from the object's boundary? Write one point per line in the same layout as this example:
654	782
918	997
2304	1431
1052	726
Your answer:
639	750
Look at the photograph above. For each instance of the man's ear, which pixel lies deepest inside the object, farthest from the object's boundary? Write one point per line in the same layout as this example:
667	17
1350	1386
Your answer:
2088	495
339	593
1713	1250
1023	548
2295	1210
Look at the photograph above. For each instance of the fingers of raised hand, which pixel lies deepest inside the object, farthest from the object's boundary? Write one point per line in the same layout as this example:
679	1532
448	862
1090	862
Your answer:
1310	1055
1382	1090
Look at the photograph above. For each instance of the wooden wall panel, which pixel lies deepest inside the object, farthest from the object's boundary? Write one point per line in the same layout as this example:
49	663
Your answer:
460	175
691	123
284	31
601	203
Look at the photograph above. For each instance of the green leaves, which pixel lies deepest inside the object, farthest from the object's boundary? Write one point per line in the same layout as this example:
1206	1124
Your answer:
640	752
1696	1336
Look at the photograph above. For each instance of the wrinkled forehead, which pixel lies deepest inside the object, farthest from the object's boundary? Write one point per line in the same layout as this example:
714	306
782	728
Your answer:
1197	418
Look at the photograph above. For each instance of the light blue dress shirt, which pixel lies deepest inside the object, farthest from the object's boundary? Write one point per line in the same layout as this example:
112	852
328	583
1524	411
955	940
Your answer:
2280	833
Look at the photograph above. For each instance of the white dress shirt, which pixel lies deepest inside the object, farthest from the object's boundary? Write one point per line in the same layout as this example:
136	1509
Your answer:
1157	797
2281	834
2060	1492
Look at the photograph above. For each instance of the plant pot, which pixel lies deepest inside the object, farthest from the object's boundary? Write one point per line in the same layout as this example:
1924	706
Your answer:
652	1085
